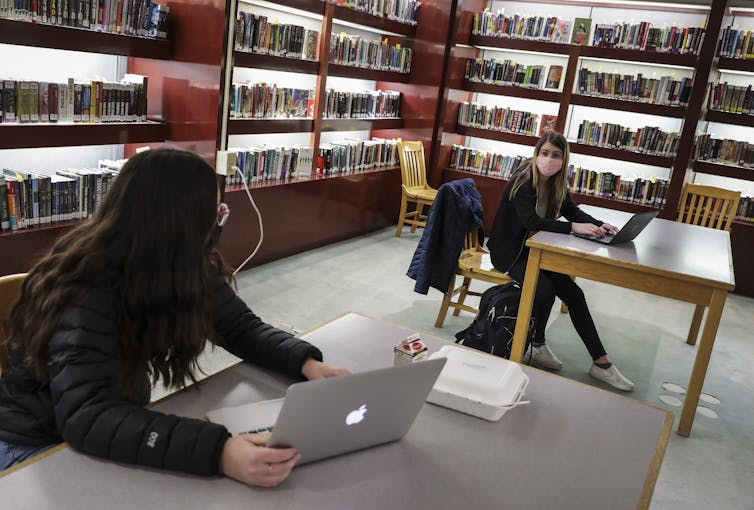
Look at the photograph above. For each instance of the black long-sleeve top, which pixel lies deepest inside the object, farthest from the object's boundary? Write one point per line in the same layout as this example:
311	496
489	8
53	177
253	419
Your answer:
517	216
81	402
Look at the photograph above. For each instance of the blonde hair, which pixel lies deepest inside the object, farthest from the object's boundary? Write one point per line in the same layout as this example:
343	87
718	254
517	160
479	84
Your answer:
557	185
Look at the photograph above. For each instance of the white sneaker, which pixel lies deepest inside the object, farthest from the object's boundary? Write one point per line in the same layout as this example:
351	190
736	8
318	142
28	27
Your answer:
543	356
612	377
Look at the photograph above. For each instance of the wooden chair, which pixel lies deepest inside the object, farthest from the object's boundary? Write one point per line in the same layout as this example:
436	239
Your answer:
10	290
414	187
469	268
706	206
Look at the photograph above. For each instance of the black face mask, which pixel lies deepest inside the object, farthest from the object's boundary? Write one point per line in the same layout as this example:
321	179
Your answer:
214	236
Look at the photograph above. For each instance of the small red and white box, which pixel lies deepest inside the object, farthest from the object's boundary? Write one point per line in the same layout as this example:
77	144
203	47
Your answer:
410	349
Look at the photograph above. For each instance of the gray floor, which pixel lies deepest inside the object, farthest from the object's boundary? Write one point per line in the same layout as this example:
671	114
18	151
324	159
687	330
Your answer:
644	335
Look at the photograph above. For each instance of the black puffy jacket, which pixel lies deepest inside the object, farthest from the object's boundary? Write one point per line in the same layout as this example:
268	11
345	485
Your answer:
80	402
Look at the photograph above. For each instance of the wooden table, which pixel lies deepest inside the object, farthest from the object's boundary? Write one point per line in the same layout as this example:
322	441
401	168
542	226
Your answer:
573	446
670	259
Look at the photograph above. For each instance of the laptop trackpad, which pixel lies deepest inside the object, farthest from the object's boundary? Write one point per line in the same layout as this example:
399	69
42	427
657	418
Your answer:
248	417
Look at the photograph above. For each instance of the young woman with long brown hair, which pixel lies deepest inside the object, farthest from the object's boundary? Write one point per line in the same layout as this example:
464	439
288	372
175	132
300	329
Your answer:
129	298
536	196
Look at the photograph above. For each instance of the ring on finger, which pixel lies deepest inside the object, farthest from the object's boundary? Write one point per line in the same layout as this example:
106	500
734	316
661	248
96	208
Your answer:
269	468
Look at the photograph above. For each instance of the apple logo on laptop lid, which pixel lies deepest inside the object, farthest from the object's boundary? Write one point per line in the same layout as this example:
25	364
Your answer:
356	416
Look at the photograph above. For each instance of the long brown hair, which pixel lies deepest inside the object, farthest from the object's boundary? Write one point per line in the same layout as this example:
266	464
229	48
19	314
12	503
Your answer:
557	185
147	244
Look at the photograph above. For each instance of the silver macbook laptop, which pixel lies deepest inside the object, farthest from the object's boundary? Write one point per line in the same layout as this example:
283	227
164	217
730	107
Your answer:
340	414
630	230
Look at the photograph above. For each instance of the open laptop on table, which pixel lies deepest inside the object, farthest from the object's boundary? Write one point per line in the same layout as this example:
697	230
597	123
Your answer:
630	230
341	414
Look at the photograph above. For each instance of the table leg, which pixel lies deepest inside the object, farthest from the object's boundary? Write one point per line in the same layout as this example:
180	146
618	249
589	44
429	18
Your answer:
525	305
696	321
701	362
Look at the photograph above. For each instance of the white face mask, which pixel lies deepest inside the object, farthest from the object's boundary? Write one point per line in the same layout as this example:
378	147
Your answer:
548	166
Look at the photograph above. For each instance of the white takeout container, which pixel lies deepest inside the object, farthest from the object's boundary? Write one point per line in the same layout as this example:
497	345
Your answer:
478	384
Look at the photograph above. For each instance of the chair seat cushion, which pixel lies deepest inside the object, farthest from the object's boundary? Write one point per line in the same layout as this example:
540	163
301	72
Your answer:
422	193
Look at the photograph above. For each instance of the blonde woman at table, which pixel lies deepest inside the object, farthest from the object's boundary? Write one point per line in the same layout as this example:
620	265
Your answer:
536	195
129	298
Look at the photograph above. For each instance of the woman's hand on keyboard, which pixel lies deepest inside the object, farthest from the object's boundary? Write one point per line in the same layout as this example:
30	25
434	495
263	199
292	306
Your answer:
246	458
313	370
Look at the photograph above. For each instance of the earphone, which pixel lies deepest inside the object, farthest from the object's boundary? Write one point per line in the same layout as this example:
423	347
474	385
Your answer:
259	216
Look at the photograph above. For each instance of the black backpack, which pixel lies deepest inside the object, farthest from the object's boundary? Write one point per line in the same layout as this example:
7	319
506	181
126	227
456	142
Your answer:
495	322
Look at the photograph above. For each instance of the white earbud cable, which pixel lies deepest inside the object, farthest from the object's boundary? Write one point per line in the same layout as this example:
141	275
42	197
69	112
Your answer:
259	216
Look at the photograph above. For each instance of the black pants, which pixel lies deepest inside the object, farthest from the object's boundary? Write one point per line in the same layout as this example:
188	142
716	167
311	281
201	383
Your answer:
549	286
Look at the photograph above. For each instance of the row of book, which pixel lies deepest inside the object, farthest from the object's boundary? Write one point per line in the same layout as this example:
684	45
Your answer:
730	98
483	162
142	18
352	50
30	199
359	105
405	11
91	102
259	164
255	33
498	24
648	140
745	211
509	72
727	151
263	101
497	118
643	36
664	90
736	43
650	192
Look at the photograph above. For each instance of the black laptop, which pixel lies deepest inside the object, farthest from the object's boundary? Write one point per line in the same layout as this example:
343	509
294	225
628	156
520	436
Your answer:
630	230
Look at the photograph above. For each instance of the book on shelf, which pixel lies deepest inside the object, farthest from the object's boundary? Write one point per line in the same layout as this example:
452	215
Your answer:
735	43
726	151
664	91
562	31
541	28
503	72
142	18
255	33
404	11
352	155
745	210
497	118
482	162
647	140
651	192
554	75
353	50
581	29
547	124
358	105
730	98
263	101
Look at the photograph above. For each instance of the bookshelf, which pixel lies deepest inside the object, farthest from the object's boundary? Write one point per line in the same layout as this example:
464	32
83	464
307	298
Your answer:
303	213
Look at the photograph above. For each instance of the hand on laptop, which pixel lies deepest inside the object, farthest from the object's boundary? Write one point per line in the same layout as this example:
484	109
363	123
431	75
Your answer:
313	370
610	229
589	229
246	458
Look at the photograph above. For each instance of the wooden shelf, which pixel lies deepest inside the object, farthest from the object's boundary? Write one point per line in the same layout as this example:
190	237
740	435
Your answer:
628	106
77	39
360	124
61	225
263	126
519	44
512	90
724	170
736	64
376	22
737	119
285	182
744	224
17	136
654	57
362	73
258	61
313	6
621	155
502	136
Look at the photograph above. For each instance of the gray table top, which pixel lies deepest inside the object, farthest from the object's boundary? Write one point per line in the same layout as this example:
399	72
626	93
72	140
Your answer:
687	251
573	447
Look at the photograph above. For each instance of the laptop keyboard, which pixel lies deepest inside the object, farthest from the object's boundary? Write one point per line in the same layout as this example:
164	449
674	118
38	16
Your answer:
260	431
